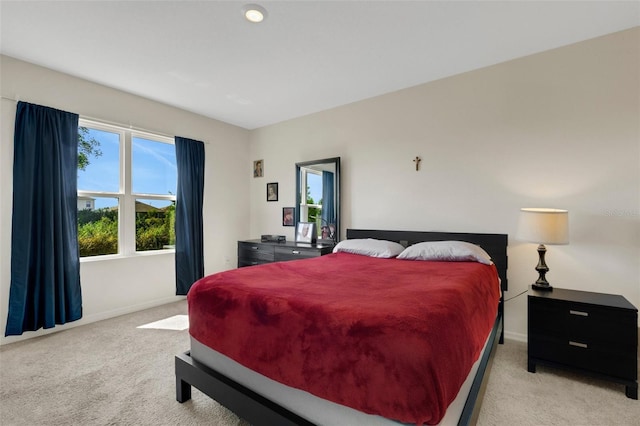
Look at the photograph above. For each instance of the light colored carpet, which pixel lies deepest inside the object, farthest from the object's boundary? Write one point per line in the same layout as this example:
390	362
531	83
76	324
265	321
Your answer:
113	373
176	322
551	396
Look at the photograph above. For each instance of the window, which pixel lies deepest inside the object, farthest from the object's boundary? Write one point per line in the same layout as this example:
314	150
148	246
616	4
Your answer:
127	183
154	167
99	180
311	207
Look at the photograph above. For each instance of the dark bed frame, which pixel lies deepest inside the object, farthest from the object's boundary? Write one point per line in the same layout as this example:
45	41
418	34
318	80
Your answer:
258	410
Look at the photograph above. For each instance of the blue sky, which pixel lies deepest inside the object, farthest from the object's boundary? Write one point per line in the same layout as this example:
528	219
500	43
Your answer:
314	182
154	168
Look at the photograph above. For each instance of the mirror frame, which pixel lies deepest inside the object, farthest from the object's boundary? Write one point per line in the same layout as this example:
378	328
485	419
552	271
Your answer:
336	162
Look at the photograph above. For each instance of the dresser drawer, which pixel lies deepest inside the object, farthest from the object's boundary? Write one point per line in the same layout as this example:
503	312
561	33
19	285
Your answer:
257	252
243	261
261	253
293	253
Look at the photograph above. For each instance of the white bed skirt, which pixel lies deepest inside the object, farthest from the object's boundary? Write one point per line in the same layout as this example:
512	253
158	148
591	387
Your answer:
315	409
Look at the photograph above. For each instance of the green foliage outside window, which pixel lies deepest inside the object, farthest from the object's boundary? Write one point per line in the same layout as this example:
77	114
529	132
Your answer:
155	230
87	147
314	213
98	230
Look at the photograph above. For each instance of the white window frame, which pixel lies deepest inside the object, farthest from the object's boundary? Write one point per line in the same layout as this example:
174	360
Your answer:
126	198
304	207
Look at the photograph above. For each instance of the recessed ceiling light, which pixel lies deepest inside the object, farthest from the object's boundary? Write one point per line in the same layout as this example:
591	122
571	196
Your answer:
254	13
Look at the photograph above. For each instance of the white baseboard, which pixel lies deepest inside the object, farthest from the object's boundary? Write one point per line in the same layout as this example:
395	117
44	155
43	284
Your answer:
129	309
88	319
518	337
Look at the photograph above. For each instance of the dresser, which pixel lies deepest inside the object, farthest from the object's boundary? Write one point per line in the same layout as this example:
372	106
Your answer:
257	252
592	333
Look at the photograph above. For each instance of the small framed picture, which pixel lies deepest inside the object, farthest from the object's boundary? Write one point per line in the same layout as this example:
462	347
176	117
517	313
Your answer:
272	191
328	233
258	168
288	213
306	232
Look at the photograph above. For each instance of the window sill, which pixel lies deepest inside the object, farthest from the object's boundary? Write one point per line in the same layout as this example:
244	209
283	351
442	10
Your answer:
106	257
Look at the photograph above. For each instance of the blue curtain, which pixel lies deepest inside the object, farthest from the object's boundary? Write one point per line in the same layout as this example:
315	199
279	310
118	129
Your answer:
45	264
328	199
189	237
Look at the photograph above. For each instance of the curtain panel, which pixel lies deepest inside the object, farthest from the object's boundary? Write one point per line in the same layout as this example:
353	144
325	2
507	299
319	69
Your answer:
45	264
328	199
189	221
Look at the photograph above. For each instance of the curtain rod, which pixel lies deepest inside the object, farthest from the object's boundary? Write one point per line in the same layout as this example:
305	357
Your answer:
112	123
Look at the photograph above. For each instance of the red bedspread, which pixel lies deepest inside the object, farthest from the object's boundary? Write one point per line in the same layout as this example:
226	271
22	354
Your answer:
390	337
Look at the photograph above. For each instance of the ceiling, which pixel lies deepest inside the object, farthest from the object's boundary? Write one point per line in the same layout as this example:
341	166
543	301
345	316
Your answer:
307	56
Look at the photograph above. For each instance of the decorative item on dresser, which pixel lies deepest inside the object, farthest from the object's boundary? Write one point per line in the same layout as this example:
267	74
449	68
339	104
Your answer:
257	252
306	232
591	333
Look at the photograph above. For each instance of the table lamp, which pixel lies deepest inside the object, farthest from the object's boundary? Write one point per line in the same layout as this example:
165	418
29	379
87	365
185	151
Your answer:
544	226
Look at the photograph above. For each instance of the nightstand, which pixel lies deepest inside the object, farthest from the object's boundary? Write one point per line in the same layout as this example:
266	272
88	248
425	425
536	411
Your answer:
591	333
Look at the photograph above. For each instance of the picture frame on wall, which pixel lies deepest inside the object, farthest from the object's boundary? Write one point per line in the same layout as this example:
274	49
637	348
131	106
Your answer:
288	215
272	191
258	168
306	232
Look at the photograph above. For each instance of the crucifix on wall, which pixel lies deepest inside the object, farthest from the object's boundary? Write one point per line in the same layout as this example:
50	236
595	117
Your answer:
417	160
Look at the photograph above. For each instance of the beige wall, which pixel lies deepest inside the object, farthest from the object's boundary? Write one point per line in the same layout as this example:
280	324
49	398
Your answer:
556	129
117	286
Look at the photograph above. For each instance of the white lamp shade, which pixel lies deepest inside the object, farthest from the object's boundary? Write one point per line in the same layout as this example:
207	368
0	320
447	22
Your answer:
544	226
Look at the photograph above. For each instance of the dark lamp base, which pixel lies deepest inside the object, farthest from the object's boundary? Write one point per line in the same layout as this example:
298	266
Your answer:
541	283
541	287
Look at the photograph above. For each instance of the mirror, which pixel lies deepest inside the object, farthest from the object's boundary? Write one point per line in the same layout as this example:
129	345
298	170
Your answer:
318	197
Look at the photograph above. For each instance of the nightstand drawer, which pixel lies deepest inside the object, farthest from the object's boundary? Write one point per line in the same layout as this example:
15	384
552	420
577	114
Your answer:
584	354
578	321
255	252
293	253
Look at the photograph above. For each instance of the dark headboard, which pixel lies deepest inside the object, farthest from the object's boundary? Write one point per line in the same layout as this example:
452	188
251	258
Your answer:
494	244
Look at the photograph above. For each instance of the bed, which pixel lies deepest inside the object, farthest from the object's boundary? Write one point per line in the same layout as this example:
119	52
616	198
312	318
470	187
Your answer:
239	362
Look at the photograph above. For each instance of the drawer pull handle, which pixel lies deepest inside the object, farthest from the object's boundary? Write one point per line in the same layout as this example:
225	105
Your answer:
254	248
578	344
582	314
295	252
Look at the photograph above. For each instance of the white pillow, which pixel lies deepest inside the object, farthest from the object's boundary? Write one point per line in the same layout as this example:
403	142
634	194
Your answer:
455	251
369	247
